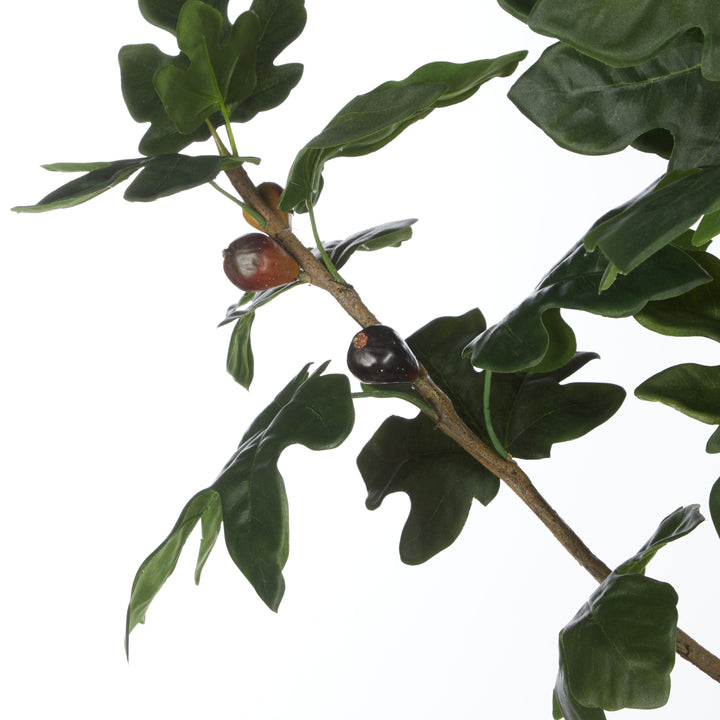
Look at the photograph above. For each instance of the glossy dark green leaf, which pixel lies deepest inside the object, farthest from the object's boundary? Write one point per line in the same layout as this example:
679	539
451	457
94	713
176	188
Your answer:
138	65
315	411
676	525
529	411
86	187
690	388
693	314
159	565
240	357
159	177
518	8
440	478
708	228
248	498
370	121
240	361
170	174
624	33
592	108
165	13
281	22
619	649
637	230
534	331
715	506
221	68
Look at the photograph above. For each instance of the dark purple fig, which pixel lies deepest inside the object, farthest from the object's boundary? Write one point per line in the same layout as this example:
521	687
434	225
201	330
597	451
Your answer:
378	354
256	262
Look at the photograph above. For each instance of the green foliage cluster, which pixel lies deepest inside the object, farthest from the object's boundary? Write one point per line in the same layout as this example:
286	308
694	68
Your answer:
643	74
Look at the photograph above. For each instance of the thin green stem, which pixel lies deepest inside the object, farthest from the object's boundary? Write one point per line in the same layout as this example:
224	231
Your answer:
323	254
218	142
228	127
488	421
245	207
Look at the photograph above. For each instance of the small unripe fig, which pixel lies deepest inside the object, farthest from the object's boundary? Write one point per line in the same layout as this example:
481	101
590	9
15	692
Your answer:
270	192
378	354
256	262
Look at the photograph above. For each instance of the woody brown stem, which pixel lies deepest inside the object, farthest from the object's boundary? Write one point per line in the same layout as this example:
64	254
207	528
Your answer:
448	420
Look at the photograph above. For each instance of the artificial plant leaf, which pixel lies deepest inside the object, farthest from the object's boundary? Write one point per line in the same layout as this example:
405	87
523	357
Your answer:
221	67
591	108
620	33
695	313
240	357
370	121
439	477
619	649
692	389
632	233
86	187
518	8
314	410
170	174
391	234
676	525
530	412
240	361
715	506
138	65
165	13
534	331
707	229
159	565
281	22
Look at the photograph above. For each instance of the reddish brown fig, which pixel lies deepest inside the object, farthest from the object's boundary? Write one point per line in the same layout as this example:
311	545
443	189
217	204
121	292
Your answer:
270	192
256	262
378	354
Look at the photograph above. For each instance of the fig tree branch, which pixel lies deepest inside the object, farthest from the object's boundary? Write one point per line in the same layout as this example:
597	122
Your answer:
449	422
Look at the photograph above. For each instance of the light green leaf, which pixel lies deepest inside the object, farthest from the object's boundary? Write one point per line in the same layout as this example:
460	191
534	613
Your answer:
221	70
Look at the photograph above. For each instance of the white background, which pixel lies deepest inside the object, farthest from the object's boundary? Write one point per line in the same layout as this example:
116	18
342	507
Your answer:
116	406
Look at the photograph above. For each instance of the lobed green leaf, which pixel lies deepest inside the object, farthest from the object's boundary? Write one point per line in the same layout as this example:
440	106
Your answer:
220	69
534	335
248	498
620	33
370	121
695	313
529	411
630	234
664	105
619	649
165	13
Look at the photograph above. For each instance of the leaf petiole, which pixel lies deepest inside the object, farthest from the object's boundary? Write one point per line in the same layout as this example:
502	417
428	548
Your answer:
488	422
243	205
323	254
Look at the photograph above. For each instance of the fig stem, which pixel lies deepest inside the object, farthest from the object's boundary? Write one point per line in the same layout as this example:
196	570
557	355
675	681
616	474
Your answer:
488	420
228	128
222	150
321	248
